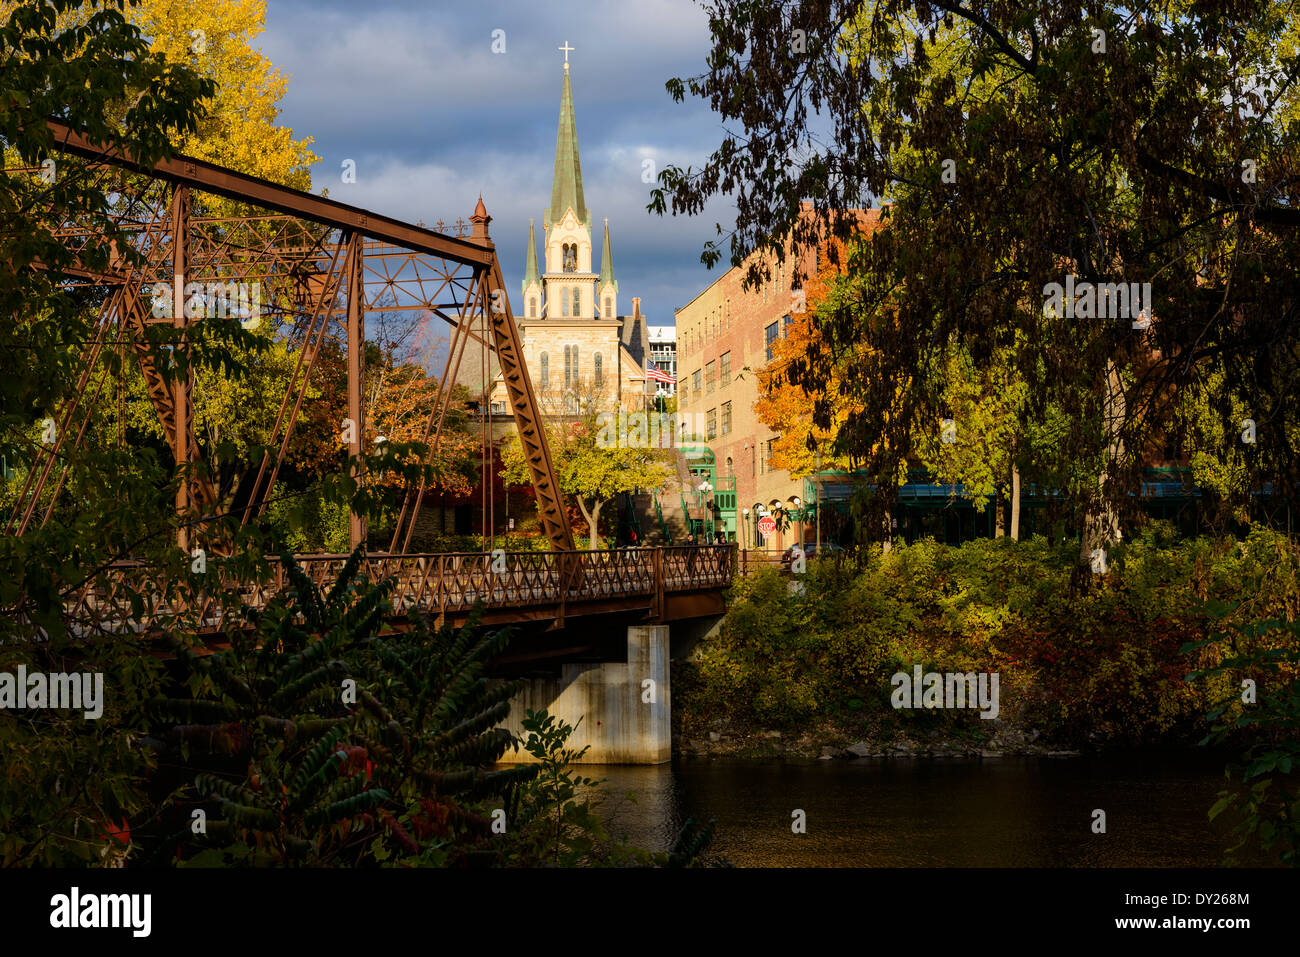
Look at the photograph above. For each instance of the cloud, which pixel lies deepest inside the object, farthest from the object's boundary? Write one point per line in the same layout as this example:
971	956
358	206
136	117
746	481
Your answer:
433	117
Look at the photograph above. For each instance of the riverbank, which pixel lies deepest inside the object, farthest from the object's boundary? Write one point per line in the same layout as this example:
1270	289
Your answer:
829	742
991	648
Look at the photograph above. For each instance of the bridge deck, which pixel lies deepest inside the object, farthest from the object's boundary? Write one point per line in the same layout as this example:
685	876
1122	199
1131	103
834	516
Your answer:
665	583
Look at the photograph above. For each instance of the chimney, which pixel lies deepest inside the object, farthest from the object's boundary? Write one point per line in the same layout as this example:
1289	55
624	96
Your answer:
636	307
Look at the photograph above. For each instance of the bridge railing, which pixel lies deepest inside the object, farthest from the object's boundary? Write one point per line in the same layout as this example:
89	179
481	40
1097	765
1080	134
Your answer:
130	595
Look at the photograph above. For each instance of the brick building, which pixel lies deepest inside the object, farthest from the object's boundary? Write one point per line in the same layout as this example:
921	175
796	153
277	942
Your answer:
724	336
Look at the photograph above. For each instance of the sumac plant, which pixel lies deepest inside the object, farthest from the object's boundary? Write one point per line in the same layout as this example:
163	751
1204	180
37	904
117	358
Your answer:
318	740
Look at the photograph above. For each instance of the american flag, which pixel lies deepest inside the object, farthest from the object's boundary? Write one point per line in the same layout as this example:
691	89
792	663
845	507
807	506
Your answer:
652	371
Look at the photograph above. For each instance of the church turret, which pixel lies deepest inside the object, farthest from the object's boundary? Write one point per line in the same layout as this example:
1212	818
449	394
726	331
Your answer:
607	286
532	286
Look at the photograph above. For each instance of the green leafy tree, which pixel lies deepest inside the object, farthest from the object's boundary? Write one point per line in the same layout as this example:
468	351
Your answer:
590	466
1018	144
69	782
980	444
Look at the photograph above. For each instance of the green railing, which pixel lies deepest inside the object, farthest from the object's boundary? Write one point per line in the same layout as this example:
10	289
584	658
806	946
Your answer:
663	526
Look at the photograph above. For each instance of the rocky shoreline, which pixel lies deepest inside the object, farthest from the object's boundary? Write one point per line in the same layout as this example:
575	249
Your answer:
831	744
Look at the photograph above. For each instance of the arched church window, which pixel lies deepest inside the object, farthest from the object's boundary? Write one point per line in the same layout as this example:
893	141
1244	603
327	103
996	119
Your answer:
532	307
564	302
568	362
570	257
546	369
577	303
597	370
608	311
575	362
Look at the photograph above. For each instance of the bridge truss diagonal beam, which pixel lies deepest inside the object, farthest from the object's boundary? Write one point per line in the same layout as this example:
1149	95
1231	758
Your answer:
309	249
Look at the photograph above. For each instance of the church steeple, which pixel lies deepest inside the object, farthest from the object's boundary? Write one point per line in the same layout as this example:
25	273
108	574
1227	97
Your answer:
566	187
531	275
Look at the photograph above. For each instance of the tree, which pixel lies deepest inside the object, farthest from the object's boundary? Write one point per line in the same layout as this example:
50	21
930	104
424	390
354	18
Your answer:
403	401
97	75
241	130
590	467
236	402
788	399
980	441
1018	145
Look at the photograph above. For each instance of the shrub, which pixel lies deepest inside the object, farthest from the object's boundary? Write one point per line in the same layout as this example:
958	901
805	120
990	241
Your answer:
1101	663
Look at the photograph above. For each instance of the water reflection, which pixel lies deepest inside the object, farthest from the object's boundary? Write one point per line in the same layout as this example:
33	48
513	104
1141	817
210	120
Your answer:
1005	812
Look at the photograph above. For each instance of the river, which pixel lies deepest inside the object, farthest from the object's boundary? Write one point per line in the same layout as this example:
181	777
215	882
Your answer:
922	812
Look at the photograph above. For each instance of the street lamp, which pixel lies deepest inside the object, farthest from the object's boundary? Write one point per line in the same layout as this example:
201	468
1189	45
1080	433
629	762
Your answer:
706	488
796	505
744	524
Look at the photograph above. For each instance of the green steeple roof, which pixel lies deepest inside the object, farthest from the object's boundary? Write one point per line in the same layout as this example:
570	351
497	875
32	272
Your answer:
566	187
606	263
530	260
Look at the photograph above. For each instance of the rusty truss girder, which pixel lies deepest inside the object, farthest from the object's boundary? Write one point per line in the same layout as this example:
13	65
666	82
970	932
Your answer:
315	265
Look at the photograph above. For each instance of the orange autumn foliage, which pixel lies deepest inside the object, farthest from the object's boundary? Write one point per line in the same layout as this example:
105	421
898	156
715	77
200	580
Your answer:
787	408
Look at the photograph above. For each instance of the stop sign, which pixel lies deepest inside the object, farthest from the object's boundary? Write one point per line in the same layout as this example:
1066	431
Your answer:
767	525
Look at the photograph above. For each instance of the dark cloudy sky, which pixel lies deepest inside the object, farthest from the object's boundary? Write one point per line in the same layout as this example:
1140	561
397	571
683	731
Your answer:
414	94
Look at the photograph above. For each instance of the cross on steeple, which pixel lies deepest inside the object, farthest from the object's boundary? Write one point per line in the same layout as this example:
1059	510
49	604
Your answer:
566	49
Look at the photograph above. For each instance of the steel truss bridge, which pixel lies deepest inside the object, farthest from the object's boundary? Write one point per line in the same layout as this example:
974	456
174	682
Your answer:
321	266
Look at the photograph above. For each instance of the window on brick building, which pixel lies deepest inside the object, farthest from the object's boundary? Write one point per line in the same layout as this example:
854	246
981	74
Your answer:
769	336
697	380
724	370
711	422
726	421
710	375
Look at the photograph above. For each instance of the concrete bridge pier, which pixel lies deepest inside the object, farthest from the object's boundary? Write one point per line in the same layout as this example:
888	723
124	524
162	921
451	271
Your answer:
624	706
